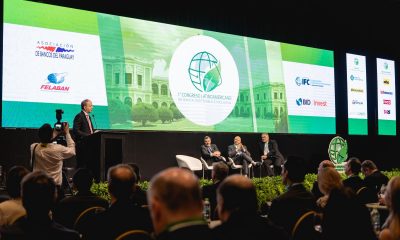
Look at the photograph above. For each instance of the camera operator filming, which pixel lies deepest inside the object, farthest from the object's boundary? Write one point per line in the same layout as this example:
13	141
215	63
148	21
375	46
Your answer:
48	156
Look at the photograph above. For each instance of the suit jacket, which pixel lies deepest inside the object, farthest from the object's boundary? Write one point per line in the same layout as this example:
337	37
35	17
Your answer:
199	231
247	226
375	181
288	207
81	127
274	154
205	153
354	182
232	151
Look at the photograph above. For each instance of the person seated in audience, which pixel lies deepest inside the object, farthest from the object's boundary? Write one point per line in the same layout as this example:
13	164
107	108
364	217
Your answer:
315	189
219	173
352	169
48	156
240	155
287	209
122	215
271	157
238	210
139	196
391	228
374	179
11	210
174	197
38	197
210	152
69	208
344	217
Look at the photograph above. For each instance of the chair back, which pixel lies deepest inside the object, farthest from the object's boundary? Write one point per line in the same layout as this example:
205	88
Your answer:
189	162
366	195
134	234
205	165
304	227
84	219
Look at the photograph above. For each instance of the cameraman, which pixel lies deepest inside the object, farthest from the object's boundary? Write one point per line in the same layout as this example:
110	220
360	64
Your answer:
48	156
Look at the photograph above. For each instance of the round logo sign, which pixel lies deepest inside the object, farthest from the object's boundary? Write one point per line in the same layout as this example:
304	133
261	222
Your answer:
203	80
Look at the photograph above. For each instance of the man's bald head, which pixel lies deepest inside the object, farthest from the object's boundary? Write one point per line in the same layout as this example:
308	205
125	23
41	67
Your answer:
238	194
121	181
177	188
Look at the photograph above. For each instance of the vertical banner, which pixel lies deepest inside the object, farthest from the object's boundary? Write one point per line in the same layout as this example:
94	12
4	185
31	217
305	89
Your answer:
357	94
386	97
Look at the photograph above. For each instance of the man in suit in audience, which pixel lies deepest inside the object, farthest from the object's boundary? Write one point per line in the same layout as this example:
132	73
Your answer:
238	210
287	208
68	209
352	169
240	155
38	197
271	157
374	178
210	152
219	173
176	206
122	215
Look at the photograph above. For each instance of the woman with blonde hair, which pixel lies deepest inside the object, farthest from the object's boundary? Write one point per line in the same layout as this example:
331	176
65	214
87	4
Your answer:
341	210
392	198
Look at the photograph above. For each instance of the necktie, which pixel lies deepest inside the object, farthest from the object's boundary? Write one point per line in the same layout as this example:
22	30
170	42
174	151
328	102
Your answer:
266	150
90	123
209	149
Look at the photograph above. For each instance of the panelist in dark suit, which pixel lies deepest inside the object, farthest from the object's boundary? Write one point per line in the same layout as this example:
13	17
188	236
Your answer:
240	155
270	155
210	152
82	127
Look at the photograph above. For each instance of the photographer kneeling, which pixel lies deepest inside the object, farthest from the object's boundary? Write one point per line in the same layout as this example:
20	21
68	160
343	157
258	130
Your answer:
48	156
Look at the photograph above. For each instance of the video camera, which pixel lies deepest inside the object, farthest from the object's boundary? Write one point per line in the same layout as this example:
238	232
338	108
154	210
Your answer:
59	126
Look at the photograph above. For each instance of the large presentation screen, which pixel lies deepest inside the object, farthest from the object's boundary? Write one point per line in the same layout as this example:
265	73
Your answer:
357	94
143	75
386	96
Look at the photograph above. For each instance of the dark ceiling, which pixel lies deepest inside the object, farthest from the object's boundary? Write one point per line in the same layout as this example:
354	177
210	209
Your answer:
353	25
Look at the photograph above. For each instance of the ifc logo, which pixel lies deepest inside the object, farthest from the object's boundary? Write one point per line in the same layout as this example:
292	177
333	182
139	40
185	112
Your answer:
204	72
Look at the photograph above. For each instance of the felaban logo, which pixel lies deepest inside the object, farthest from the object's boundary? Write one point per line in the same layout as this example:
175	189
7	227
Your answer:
54	81
205	72
203	80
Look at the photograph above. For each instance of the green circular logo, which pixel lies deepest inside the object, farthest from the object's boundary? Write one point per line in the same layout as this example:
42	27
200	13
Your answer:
386	65
205	72
337	150
356	61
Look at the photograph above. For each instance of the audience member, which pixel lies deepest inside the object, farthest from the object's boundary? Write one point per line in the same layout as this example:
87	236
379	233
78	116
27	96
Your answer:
374	178
271	157
315	189
139	196
344	217
122	215
240	155
11	210
352	169
69	208
175	202
288	208
48	156
210	152
237	208
38	197
219	173
391	228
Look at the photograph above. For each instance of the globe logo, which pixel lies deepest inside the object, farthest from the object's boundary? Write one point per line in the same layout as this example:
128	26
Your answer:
298	81
337	150
356	61
56	78
205	72
352	77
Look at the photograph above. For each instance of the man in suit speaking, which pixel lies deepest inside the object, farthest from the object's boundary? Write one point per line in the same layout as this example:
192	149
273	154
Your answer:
82	127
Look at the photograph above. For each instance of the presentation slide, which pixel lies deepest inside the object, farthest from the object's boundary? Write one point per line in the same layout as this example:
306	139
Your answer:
386	97
357	94
143	75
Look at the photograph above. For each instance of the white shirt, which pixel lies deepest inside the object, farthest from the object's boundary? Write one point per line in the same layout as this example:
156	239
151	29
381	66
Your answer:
49	157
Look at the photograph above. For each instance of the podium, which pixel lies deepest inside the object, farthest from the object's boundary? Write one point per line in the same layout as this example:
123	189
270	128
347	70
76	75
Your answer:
100	151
